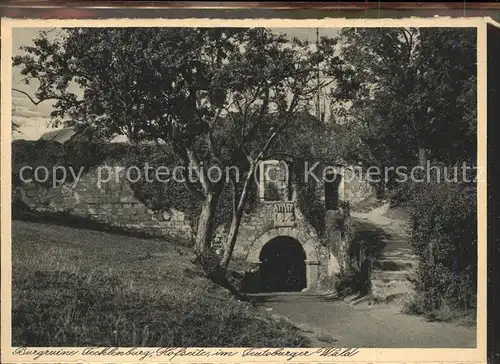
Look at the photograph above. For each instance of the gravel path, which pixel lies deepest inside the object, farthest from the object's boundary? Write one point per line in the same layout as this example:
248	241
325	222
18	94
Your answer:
339	324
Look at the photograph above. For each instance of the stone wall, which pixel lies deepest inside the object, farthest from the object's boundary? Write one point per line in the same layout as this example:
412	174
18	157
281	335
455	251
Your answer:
113	203
356	187
272	219
261	220
353	186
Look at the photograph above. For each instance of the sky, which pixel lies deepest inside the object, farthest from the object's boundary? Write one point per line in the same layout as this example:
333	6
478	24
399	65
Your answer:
34	119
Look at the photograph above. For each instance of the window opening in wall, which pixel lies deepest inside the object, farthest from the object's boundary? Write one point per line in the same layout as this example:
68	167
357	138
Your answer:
274	184
332	195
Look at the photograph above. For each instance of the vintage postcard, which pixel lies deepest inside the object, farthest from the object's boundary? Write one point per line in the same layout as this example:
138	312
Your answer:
261	190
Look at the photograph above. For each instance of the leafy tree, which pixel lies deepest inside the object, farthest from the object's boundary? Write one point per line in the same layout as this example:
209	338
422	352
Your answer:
218	96
408	94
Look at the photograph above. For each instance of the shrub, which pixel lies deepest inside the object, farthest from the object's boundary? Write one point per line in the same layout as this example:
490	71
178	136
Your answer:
444	236
361	242
355	278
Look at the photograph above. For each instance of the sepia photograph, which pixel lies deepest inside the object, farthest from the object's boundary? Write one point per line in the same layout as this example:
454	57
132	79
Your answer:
243	187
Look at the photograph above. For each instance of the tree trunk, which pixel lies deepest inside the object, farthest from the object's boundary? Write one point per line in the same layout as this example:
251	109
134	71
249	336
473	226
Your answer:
205	228
432	300
235	223
231	238
422	157
203	256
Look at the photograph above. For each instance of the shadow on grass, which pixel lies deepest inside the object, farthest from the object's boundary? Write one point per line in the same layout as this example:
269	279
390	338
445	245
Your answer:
261	298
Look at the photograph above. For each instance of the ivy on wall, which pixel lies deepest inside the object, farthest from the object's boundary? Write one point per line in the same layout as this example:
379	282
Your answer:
155	194
308	200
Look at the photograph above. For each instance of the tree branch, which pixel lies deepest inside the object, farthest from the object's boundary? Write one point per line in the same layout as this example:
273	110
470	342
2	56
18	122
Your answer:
408	42
30	98
210	140
280	128
264	106
200	196
233	185
244	193
44	99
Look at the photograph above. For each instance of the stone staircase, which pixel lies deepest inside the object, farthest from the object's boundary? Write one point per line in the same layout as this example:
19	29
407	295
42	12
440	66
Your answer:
397	261
390	272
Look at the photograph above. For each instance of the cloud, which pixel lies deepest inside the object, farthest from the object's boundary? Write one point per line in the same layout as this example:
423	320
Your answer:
33	119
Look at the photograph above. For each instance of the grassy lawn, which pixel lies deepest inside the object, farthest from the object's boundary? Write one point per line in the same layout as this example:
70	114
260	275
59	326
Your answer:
74	287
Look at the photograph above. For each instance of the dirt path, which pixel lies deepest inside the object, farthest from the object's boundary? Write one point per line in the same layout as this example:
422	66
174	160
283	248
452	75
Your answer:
336	323
395	225
395	260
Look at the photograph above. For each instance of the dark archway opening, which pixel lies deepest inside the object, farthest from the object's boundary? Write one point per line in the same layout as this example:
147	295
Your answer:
283	267
332	196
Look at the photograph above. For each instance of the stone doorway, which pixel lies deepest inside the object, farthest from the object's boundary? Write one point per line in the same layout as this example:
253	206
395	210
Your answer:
332	193
283	266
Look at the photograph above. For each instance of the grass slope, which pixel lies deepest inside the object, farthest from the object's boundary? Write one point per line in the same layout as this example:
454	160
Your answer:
74	287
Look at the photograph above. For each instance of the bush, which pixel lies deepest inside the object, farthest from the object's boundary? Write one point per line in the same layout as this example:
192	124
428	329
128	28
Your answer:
362	243
356	277
76	155
444	236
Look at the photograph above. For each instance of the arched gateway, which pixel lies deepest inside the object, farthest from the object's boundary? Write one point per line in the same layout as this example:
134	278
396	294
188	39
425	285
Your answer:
282	266
287	259
283	247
